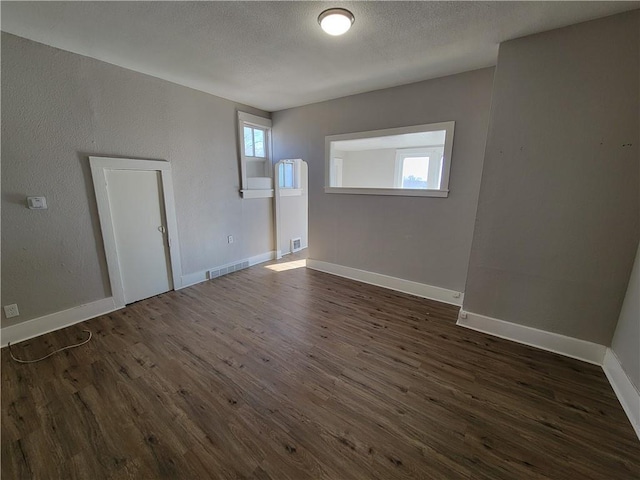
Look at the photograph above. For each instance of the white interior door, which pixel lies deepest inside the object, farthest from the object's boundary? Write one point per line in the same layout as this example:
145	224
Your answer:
140	230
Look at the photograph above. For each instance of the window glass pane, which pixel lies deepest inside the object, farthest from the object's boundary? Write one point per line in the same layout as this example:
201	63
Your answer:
415	172
285	175
258	144
288	175
248	142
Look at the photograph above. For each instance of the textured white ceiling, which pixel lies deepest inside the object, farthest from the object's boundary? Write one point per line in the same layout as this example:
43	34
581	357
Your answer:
273	55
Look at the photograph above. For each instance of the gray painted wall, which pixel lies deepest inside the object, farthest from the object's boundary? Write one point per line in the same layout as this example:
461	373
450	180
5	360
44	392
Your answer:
557	225
416	238
626	339
57	109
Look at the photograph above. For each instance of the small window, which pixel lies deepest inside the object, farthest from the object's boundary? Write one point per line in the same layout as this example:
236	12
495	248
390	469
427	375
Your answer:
255	148
254	142
415	171
286	175
419	168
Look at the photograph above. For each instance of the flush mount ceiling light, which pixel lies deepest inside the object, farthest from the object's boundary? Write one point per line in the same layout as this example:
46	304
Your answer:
336	21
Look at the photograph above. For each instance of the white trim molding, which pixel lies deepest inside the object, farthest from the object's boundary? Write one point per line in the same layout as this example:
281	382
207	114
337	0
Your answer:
256	193
254	120
443	187
203	275
263	257
262	123
399	192
55	321
594	353
624	389
290	192
398	284
58	320
549	341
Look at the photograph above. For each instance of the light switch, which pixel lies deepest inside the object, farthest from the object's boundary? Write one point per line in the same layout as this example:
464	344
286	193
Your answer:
37	203
11	311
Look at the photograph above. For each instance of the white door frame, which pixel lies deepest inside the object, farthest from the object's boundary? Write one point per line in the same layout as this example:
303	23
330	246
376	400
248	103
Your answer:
99	165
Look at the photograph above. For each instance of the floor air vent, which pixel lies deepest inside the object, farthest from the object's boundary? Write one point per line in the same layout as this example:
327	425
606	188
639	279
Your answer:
224	270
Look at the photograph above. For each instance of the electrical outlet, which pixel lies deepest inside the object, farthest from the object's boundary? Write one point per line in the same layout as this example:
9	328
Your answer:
230	239
11	311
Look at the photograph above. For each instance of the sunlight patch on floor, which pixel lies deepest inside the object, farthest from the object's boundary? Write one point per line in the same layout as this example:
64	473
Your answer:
281	267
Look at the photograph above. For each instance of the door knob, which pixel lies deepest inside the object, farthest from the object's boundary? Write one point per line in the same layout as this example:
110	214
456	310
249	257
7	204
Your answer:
161	229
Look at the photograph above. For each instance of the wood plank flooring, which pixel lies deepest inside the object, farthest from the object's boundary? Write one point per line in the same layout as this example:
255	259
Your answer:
296	374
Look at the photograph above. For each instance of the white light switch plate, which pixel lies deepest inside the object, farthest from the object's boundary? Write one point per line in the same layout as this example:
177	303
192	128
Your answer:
11	311
37	203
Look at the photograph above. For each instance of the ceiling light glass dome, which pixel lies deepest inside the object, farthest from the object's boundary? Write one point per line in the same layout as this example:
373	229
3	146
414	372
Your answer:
336	21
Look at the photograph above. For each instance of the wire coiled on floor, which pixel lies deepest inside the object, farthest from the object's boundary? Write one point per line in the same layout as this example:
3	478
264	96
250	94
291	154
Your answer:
19	360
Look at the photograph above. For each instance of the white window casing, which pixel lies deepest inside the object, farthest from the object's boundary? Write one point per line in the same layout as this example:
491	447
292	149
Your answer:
255	169
434	141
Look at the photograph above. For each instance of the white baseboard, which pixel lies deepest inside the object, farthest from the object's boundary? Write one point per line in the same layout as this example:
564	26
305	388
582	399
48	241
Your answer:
55	321
398	284
263	257
600	355
280	253
199	277
193	278
624	389
552	342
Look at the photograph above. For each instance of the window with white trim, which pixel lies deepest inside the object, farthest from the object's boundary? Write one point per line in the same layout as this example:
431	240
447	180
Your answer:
254	141
409	161
419	168
288	174
255	155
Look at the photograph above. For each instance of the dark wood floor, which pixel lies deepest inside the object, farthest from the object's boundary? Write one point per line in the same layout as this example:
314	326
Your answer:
296	374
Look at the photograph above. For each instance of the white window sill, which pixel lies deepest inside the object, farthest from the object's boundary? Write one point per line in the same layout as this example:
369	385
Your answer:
401	192
256	193
290	192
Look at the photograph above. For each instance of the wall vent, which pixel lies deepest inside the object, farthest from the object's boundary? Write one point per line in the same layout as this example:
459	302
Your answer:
215	273
296	244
